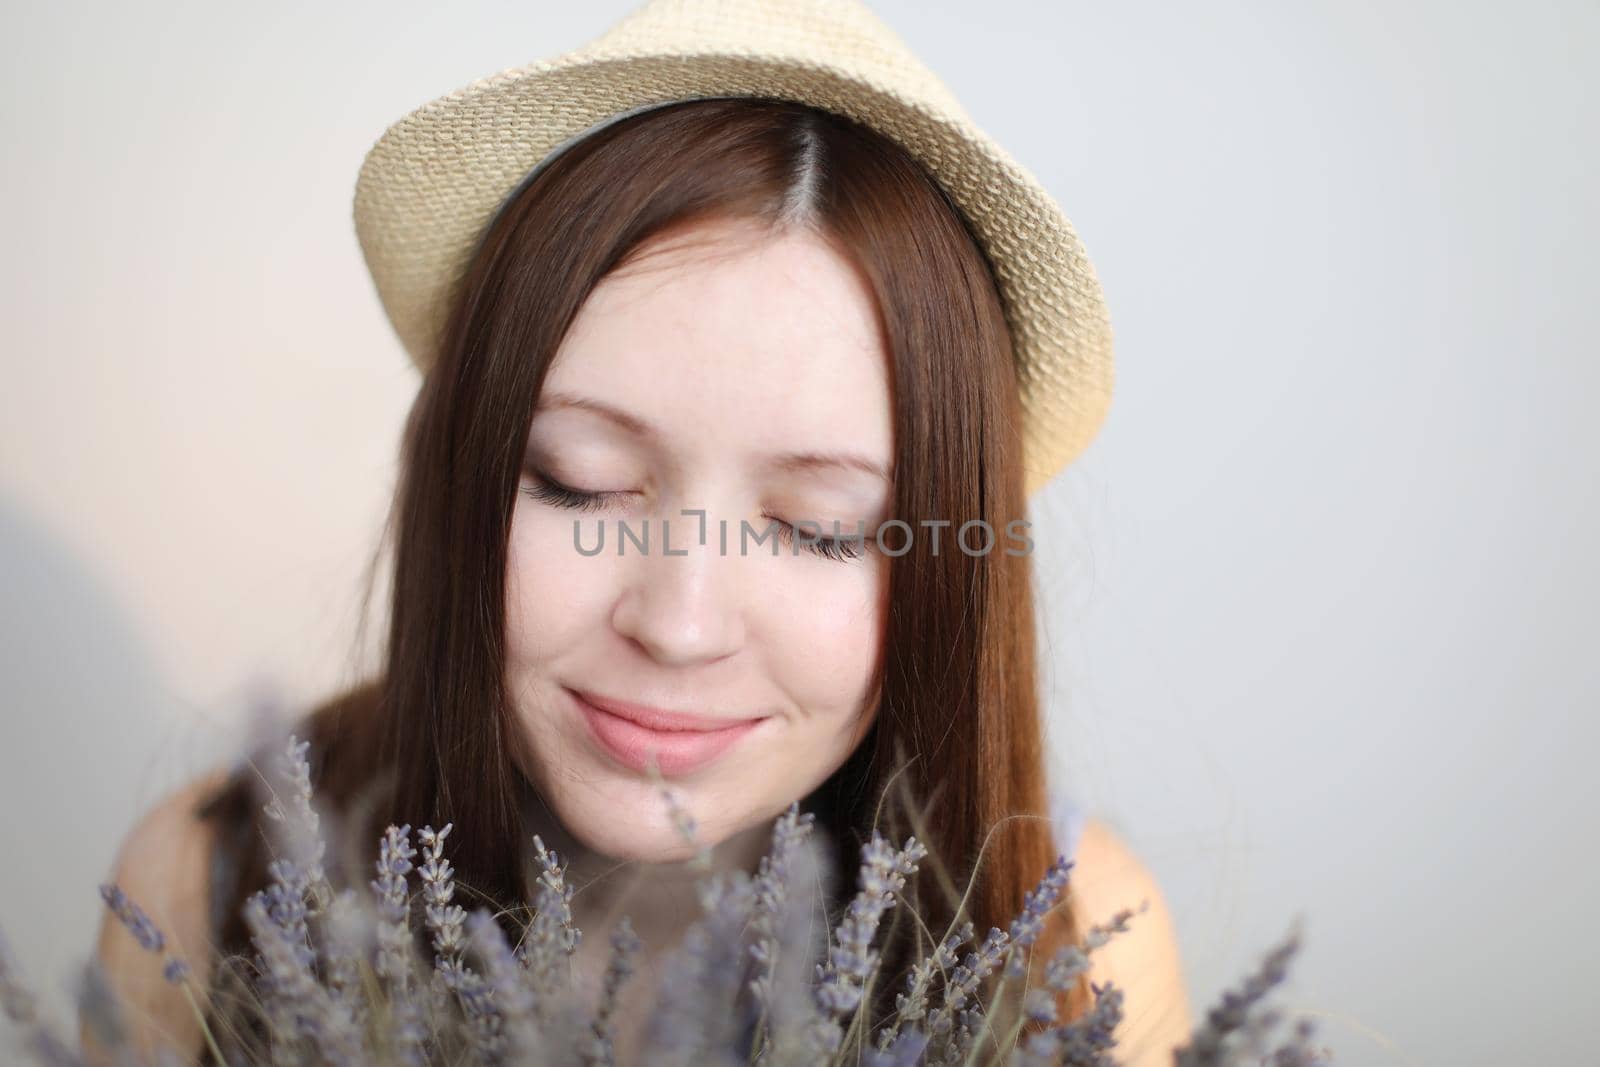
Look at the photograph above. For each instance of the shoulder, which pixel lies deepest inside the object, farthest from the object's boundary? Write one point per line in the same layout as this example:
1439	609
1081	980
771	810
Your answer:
1144	960
164	866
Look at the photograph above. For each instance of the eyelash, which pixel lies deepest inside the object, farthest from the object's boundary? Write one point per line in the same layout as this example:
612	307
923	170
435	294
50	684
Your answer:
839	549
549	491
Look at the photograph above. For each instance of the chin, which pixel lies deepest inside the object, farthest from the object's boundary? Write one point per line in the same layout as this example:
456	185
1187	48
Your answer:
642	843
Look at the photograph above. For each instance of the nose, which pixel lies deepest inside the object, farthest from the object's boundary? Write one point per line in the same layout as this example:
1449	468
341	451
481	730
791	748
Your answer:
681	609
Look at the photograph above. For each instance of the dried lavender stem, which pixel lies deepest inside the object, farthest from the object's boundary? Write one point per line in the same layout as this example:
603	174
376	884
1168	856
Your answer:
205	1029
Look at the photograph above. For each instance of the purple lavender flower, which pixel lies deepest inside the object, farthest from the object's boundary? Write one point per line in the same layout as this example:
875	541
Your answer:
297	1004
597	1050
1039	1005
348	938
445	919
394	964
1298	1052
739	989
699	1017
22	1008
906	1050
143	930
911	1007
771	924
1087	1042
683	820
284	901
1208	1046
551	940
391	893
133	917
98	1008
299	824
789	945
512	991
1027	927
773	878
447	922
1060	972
951	1026
842	979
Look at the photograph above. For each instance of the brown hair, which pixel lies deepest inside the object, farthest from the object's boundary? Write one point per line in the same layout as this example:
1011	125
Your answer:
959	715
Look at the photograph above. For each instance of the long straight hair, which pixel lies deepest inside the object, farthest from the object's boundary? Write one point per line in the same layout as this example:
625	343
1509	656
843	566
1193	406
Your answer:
958	726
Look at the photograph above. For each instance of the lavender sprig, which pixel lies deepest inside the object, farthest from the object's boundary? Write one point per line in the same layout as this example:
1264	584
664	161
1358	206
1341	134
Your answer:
407	1035
99	1010
598	1050
972	1025
391	895
300	1007
517	1036
1027	927
284	900
174	971
1077	1037
1298	1052
699	1017
911	1007
743	987
906	1049
842	980
22	1008
951	1025
284	983
350	935
1234	1012
771	889
683	820
299	824
144	931
447	922
1087	1042
552	938
785	1030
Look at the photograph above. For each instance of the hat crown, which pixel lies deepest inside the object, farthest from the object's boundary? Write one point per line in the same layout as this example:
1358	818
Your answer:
434	180
838	34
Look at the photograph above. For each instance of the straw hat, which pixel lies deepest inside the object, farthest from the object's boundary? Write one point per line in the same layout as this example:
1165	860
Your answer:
437	176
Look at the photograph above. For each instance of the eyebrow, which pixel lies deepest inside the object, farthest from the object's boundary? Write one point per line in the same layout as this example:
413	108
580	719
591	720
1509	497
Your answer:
785	461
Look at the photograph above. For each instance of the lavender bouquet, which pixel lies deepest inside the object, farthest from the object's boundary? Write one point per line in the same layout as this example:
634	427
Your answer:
338	978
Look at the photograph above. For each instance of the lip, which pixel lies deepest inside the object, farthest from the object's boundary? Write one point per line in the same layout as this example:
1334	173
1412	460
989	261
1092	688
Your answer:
680	743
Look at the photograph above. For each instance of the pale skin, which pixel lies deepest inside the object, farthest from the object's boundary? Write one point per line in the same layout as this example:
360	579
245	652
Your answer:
690	380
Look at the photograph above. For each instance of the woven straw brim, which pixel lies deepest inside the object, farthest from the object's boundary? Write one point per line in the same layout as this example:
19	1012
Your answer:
433	181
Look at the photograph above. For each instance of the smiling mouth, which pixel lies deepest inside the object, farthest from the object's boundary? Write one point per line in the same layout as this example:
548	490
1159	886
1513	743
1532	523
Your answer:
636	736
661	719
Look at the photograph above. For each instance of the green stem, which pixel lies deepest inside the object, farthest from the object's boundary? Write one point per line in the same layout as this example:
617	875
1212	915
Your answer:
205	1029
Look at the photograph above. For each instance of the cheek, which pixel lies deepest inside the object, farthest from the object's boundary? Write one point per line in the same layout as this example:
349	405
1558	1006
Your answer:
554	596
825	640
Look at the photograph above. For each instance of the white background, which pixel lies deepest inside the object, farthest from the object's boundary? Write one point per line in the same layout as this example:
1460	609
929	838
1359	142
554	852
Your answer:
1319	601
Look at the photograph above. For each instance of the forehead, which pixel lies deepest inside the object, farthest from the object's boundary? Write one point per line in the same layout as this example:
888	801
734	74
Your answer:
734	332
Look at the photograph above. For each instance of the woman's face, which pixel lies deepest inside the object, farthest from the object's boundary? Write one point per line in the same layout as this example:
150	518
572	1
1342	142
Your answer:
746	379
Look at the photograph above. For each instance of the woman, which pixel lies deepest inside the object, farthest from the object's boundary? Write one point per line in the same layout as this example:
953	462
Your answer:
714	320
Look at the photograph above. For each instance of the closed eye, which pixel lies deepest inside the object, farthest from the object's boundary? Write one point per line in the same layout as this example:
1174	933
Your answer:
549	491
840	549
